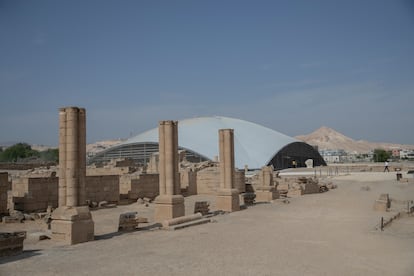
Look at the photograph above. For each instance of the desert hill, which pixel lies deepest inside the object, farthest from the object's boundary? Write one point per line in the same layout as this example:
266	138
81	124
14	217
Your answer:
328	138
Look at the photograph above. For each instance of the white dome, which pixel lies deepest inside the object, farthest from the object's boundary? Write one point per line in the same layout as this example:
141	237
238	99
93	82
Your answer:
254	145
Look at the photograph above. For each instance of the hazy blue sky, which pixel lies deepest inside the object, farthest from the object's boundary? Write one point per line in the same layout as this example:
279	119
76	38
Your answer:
292	66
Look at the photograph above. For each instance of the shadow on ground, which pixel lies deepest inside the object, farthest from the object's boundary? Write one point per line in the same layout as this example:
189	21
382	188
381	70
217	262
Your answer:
119	233
25	254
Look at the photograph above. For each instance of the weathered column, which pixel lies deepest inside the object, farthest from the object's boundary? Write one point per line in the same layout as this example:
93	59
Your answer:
62	158
170	203
82	157
267	190
227	195
72	157
72	222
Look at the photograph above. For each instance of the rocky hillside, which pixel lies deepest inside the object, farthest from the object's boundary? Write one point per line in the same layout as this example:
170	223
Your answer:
328	138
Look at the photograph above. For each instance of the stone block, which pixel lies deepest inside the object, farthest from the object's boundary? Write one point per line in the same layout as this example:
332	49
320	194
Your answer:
382	203
168	207
249	198
228	200
72	225
283	187
266	194
201	207
11	243
128	221
295	193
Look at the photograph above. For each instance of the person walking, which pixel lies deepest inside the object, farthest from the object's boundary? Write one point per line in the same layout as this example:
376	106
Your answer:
386	167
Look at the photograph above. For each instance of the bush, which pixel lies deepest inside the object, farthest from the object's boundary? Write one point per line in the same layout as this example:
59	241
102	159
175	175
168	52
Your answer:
381	155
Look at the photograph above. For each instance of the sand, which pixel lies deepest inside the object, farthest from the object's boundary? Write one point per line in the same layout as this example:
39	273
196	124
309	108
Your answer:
331	233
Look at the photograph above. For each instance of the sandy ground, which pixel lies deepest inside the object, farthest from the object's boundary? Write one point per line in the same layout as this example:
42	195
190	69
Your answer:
320	234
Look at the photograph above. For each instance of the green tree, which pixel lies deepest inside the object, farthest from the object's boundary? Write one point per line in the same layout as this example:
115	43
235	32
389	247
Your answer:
381	155
18	151
50	155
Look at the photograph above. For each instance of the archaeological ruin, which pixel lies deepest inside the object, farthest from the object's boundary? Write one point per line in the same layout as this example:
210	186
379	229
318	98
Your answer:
227	195
72	220
170	203
173	189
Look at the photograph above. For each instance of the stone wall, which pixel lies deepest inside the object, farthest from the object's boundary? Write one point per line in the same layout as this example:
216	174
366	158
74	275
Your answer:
240	181
208	181
188	181
125	183
92	171
5	185
33	194
147	185
102	188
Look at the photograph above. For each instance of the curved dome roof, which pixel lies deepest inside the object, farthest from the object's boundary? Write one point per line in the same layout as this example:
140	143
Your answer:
254	145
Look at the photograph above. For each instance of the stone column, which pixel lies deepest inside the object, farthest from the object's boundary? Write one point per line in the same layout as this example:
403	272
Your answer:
82	157
227	195
72	157
266	191
62	158
170	203
71	222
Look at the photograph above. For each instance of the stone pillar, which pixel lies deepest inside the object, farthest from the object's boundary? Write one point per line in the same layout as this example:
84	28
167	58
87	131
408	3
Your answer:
72	176
82	157
72	222
266	191
170	203
227	195
62	158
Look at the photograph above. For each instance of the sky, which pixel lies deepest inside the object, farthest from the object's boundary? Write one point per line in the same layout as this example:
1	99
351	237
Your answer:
292	66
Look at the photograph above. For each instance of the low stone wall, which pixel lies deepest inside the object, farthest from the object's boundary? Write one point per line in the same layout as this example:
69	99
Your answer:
208	181
24	166
102	188
33	194
147	185
108	171
5	185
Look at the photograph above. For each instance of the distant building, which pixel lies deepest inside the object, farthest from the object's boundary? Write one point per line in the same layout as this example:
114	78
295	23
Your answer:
407	154
395	153
334	155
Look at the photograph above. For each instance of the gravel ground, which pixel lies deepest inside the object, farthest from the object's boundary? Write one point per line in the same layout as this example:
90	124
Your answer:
320	234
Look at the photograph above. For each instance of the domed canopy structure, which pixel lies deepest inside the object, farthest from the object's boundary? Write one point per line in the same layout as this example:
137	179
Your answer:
254	145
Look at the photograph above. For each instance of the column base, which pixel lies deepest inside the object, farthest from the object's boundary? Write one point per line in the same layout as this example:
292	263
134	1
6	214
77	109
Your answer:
228	200
266	194
168	207
72	225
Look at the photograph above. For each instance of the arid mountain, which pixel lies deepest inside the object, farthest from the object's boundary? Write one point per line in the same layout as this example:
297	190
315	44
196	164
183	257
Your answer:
327	138
101	145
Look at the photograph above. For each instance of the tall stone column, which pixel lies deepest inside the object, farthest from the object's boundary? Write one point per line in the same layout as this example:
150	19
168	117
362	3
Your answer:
170	203
62	158
72	157
227	195
72	221
82	157
267	190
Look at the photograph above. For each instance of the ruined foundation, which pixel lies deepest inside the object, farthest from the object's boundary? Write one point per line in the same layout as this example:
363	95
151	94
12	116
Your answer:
266	192
227	196
71	222
170	203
